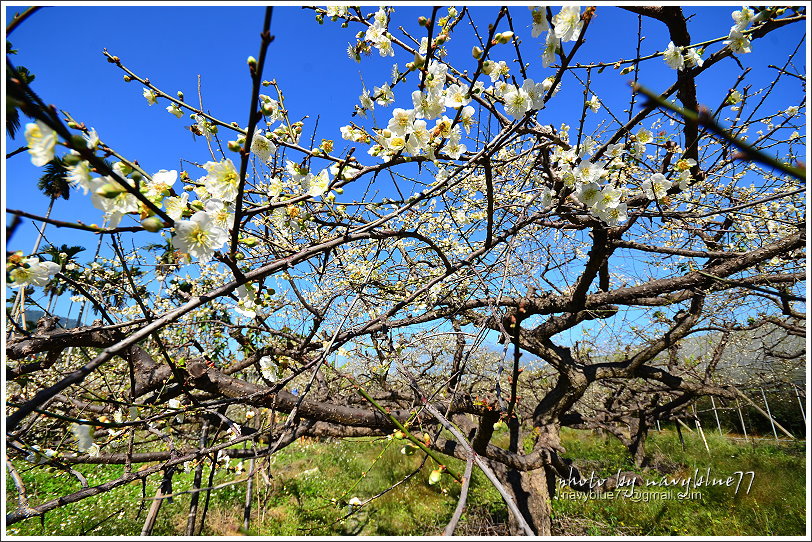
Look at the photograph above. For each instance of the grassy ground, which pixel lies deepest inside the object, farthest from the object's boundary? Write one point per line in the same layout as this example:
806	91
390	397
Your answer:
311	483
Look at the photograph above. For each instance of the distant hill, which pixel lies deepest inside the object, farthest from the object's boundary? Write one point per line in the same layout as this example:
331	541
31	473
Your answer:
33	315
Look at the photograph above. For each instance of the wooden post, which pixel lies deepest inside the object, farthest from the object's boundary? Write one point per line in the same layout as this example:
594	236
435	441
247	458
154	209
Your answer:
741	418
195	498
249	496
679	432
769	414
800	403
152	515
716	415
765	414
699	428
682	423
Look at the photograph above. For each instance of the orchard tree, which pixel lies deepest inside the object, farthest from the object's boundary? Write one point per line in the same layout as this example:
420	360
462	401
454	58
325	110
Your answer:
451	260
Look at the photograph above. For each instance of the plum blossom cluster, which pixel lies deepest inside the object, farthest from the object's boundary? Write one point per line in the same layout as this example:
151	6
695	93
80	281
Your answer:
377	34
29	271
595	184
737	40
680	58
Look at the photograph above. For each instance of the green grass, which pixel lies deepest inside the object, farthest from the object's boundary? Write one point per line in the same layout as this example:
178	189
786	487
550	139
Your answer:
312	482
775	504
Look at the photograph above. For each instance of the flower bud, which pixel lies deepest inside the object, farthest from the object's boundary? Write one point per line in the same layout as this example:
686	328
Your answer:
419	60
252	62
153	224
233	146
71	159
441	39
110	190
503	37
239	256
476	52
127	78
78	142
422	21
180	95
250	241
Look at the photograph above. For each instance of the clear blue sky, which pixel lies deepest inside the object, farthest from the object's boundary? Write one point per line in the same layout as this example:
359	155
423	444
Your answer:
172	45
63	47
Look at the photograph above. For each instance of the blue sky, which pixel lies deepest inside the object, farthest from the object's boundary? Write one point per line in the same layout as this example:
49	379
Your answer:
63	46
172	45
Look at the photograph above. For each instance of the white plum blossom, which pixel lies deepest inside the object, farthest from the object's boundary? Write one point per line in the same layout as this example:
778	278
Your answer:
246	303
615	151
517	102
221	213
540	23
428	105
262	147
673	57
692	58
495	70
536	93
175	404
656	186
32	272
594	104
551	47
548	83
274	187
91	138
337	11
176	205
222	181
568	23
456	96
175	110
84	436
347	172
316	185
467	118
267	368
384	94
742	18
644	136
613	215
419	137
436	75
41	141
114	204
367	104
546	196
588	193
79	175
161	183
199	237
608	197
738	42
402	121
453	148
150	96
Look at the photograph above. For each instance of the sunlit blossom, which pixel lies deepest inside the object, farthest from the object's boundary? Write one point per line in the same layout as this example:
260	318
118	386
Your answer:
199	237
41	141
